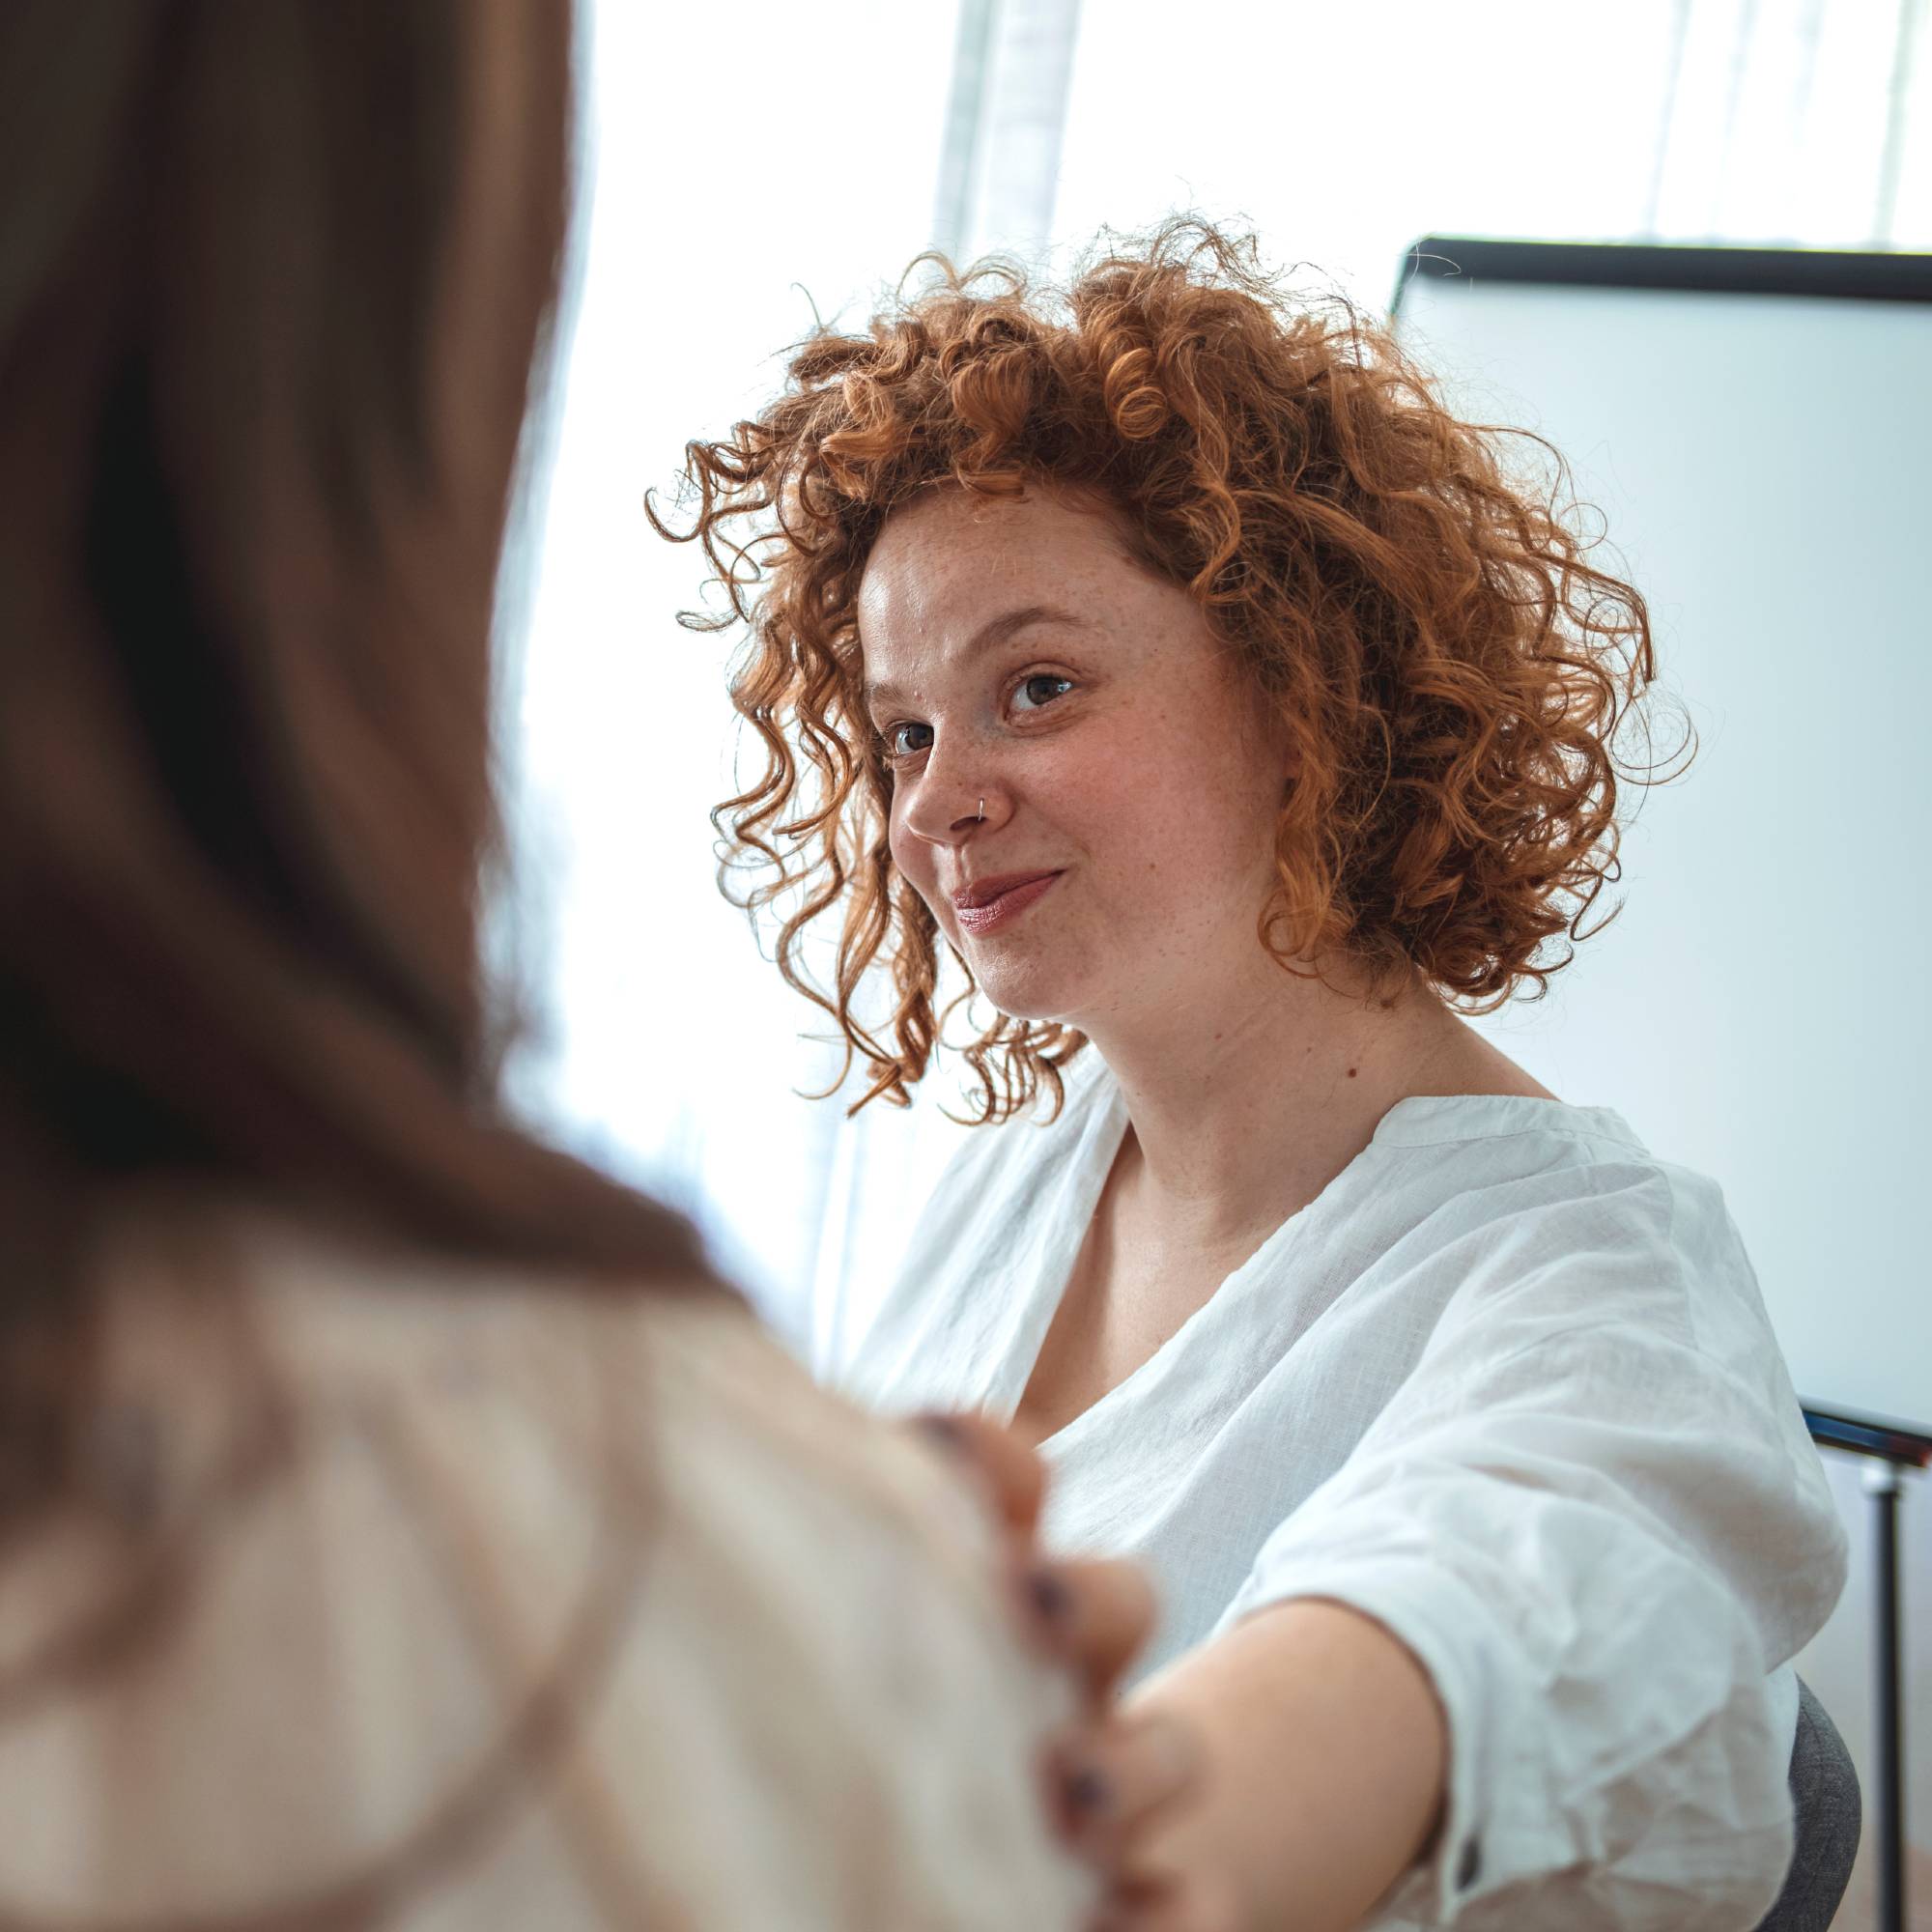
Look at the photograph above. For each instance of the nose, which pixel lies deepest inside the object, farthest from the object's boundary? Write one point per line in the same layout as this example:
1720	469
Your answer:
948	807
945	824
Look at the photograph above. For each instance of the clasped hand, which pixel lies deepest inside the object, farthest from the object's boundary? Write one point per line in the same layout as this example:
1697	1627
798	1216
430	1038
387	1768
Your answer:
1113	1778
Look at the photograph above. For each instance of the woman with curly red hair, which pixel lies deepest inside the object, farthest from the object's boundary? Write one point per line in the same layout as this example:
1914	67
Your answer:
1172	671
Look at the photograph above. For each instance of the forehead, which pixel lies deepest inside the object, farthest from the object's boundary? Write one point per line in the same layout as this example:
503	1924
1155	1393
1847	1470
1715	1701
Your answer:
946	564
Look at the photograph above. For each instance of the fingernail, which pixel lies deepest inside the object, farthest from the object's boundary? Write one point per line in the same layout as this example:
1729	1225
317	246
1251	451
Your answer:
1089	1791
1050	1597
943	1432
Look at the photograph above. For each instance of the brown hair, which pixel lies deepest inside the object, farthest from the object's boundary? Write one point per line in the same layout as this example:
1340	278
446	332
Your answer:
256	452
1449	665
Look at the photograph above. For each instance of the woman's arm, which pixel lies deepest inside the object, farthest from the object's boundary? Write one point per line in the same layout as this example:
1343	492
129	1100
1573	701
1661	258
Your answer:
1592	1513
1324	1754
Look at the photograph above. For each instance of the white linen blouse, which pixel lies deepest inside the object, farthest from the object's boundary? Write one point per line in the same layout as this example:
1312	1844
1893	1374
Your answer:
1506	1385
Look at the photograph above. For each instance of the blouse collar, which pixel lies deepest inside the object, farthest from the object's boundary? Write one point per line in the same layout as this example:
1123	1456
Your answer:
1431	1119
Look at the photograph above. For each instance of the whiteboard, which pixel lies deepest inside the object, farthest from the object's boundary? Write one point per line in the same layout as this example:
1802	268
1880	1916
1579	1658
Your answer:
1758	1010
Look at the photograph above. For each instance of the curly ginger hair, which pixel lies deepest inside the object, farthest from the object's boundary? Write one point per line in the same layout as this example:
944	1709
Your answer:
1450	669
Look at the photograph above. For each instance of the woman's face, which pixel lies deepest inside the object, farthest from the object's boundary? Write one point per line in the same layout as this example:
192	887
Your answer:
1085	784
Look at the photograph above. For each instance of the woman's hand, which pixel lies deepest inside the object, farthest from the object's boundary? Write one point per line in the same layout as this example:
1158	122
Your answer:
1113	1776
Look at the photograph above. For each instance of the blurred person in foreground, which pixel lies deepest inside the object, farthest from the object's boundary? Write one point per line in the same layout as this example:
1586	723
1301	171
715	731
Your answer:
402	1525
1160	660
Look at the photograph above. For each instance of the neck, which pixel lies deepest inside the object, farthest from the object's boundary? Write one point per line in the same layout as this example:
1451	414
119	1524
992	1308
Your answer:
1246	1099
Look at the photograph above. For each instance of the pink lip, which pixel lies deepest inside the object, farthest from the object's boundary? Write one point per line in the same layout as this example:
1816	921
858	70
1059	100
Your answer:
997	902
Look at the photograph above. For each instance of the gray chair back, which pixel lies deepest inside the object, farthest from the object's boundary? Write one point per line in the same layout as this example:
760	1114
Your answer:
1824	1797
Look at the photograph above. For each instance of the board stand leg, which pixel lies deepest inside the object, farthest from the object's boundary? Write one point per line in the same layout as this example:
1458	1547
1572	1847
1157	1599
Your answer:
1883	1482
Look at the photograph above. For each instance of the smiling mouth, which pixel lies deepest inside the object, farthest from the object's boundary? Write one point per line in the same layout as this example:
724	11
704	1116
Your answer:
996	902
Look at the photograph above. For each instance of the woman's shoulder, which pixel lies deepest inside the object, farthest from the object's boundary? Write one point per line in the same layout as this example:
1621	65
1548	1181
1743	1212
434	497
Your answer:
501	1532
1496	1152
819	1714
1520	1191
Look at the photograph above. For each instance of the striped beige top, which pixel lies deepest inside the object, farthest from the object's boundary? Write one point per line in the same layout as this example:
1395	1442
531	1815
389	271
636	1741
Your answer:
490	1603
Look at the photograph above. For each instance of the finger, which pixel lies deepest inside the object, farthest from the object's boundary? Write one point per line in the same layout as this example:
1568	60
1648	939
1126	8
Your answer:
1111	1780
1092	1616
1010	1473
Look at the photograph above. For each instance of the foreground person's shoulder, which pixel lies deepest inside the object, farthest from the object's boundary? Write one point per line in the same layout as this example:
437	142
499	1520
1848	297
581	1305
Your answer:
664	1384
523	1602
818	1713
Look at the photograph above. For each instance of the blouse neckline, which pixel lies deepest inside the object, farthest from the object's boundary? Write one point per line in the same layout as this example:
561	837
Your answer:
1418	1120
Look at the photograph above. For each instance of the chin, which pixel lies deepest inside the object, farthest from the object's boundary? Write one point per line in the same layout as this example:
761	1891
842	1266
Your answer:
1027	990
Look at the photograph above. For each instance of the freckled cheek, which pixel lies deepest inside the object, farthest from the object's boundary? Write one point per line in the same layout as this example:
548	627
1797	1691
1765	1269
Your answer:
1125	802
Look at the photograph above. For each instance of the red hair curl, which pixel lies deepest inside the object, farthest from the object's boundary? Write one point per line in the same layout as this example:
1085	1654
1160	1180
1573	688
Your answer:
1450	669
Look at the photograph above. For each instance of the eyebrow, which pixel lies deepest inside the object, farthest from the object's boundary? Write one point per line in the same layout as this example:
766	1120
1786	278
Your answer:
998	630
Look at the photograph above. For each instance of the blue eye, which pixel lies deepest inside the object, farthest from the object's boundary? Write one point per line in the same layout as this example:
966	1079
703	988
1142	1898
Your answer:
897	747
1040	690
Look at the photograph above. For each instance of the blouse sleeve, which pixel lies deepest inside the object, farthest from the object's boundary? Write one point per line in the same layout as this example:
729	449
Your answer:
1594	1515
